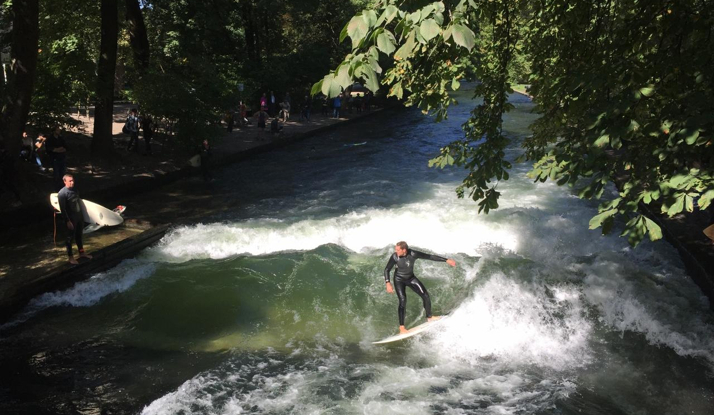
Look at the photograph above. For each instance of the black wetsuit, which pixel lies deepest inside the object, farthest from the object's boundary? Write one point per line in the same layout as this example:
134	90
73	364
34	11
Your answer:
404	276
69	203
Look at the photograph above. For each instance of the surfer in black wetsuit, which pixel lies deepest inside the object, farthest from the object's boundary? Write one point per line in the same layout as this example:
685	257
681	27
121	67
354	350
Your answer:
71	209
404	259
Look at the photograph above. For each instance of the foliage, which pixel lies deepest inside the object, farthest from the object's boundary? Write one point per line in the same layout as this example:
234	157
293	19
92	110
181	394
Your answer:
66	61
201	52
624	88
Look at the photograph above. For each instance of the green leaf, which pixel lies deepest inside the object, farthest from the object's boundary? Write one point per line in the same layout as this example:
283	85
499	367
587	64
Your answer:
344	32
676	207
407	48
343	77
602	141
463	36
357	29
455	84
370	17
690	137
653	229
429	29
317	87
386	42
647	91
597	220
329	87
390	12
446	33
706	199
415	17
689	203
397	91
370	78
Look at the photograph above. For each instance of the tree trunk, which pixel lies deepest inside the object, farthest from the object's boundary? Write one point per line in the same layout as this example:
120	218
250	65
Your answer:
251	42
17	93
102	144
137	34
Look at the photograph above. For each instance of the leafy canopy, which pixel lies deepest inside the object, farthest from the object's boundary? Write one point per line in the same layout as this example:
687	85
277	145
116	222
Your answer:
623	87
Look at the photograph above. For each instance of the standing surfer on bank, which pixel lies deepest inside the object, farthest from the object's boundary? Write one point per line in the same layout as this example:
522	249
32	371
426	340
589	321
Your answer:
404	259
71	209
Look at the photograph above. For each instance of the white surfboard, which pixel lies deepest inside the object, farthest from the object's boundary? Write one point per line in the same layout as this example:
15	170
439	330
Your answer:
93	213
412	332
709	232
195	161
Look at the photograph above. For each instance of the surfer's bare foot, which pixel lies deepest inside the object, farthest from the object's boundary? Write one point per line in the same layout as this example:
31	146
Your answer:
83	255
73	261
433	318
403	330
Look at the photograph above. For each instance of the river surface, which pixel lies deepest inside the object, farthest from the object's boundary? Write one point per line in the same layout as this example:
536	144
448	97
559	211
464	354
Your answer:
270	304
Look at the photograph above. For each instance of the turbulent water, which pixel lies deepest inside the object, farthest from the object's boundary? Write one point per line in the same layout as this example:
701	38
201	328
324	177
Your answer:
271	305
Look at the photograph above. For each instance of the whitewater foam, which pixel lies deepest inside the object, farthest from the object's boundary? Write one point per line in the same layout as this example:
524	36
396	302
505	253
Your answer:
519	323
88	293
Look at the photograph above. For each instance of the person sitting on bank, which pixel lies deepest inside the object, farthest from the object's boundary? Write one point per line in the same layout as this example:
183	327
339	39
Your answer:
71	208
275	126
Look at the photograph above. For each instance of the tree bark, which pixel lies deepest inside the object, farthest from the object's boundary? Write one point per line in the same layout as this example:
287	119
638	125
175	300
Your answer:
102	144
17	93
137	34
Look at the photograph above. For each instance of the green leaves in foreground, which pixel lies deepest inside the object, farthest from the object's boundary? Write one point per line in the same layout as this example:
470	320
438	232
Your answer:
624	93
412	36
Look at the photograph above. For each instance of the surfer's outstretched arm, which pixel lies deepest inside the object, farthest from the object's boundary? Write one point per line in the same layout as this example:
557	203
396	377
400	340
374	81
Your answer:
424	255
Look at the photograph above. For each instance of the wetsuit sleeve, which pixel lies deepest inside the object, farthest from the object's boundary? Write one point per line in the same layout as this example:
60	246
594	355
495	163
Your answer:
64	209
422	255
388	268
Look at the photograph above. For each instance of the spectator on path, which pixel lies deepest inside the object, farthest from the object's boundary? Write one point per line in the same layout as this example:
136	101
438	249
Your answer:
336	105
57	149
206	154
147	124
325	105
271	110
40	151
26	147
306	108
30	151
285	111
243	114
263	103
275	126
365	101
288	99
262	117
229	120
71	210
132	125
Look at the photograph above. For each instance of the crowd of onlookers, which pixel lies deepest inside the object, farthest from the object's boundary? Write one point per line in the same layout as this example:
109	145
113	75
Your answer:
49	150
272	112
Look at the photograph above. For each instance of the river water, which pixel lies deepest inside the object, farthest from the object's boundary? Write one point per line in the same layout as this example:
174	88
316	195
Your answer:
270	304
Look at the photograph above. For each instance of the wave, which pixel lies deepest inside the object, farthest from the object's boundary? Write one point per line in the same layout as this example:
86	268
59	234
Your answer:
90	292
